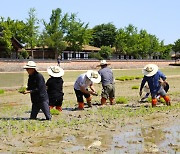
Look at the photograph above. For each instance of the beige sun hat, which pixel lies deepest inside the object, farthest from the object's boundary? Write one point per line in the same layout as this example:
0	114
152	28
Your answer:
103	62
150	69
93	76
30	64
55	71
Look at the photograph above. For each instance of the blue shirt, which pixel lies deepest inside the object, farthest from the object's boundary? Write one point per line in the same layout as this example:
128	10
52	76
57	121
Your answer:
153	82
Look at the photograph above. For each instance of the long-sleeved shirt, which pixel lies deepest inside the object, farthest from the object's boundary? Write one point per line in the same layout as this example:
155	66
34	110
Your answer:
153	82
106	76
37	86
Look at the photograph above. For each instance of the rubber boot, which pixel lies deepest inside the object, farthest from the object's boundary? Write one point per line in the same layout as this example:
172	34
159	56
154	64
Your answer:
51	107
59	108
103	101
167	99
154	102
89	101
81	105
111	101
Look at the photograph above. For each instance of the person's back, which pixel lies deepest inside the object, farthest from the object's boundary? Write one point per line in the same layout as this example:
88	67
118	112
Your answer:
107	81
82	80
36	84
106	76
55	87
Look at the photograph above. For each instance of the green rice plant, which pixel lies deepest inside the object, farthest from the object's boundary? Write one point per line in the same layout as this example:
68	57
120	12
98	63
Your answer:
135	87
138	77
129	77
22	89
149	99
162	100
54	112
120	78
126	78
121	100
1	91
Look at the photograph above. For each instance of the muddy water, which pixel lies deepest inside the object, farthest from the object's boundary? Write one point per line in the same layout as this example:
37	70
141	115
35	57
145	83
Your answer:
147	140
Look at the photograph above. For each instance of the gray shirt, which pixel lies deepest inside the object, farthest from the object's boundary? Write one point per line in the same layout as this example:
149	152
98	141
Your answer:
106	76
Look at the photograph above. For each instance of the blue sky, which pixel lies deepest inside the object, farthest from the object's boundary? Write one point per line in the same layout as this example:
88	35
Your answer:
158	17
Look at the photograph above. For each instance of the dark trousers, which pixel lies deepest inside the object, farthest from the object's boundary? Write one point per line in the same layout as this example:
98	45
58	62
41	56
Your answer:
56	102
79	95
43	106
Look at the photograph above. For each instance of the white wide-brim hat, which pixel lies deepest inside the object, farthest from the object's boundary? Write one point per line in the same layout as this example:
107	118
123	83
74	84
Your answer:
93	76
150	69
103	62
30	64
55	71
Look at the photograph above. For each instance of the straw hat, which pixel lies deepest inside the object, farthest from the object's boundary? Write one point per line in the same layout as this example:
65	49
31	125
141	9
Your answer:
150	70
93	76
30	64
55	71
103	62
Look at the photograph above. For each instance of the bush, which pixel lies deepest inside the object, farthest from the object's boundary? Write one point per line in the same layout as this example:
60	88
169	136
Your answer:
1	91
23	54
105	52
121	100
96	56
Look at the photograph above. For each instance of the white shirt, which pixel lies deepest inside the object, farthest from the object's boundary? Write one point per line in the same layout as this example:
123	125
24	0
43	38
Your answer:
82	81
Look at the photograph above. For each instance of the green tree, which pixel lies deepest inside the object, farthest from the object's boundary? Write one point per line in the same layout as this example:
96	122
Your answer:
105	52
5	38
77	33
126	41
176	48
103	35
131	39
154	48
32	30
165	53
121	41
54	31
144	43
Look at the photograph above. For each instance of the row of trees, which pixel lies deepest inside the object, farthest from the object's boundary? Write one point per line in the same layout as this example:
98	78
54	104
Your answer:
66	30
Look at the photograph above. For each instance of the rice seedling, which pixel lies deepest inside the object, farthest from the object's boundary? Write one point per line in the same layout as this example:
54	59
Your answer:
54	112
121	100
1	91
22	89
135	87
